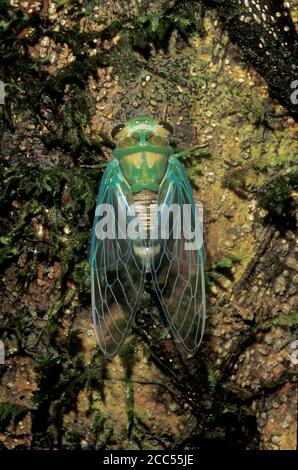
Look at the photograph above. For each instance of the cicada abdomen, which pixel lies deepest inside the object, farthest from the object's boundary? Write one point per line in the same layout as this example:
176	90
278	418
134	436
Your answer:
145	203
146	224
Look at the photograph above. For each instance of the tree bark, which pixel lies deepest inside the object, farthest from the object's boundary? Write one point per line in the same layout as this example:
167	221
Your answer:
71	71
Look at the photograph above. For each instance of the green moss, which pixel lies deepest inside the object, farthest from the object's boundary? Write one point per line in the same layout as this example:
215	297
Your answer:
241	411
102	429
212	378
20	325
230	408
141	34
54	311
238	392
9	248
11	414
62	301
223	266
226	262
72	380
164	333
60	374
98	422
192	161
256	108
77	113
185	17
96	374
47	367
274	154
81	275
127	359
290	320
46	188
278	191
235	180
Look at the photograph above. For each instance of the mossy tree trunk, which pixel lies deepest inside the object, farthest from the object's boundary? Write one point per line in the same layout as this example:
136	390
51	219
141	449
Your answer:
71	70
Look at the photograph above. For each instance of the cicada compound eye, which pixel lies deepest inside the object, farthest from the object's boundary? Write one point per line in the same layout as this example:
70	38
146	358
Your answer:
117	129
166	126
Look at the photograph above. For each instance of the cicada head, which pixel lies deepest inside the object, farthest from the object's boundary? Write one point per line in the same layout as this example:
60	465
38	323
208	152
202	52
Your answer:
142	130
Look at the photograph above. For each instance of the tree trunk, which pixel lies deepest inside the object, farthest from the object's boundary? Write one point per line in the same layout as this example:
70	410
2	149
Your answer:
71	71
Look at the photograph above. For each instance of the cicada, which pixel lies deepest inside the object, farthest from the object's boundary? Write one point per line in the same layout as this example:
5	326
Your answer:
146	228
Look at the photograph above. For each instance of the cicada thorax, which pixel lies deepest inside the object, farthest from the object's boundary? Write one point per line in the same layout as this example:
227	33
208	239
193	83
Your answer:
144	170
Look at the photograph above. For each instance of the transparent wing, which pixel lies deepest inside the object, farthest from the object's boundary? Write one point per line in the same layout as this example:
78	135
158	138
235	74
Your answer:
178	271
117	274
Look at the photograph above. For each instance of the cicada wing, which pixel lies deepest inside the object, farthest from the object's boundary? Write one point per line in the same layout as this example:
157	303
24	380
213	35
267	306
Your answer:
178	271
117	274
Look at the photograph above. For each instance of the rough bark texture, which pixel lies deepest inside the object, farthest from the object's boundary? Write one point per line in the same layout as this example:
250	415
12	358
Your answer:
71	70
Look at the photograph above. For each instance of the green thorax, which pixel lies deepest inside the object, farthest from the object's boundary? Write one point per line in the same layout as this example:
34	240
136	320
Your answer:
143	150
